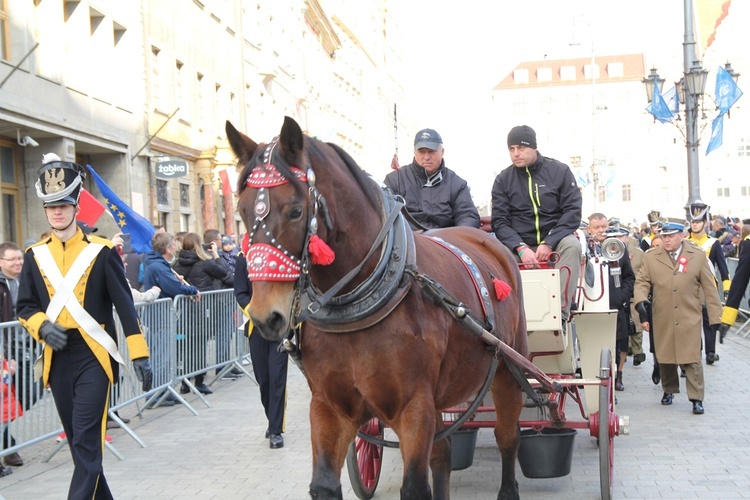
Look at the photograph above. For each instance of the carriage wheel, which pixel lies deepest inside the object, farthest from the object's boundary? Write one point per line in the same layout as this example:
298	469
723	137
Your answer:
606	424
364	461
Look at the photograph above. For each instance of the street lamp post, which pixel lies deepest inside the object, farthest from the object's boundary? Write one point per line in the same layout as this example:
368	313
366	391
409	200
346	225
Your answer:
695	85
691	88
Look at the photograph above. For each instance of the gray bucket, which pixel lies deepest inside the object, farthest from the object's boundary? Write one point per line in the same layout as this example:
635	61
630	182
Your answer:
463	442
548	453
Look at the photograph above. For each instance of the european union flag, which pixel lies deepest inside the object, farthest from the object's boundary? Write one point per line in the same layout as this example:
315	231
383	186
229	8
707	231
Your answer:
672	98
140	229
717	133
727	91
658	107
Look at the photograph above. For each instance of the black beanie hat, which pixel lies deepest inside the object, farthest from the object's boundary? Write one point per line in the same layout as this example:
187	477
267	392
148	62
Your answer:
522	135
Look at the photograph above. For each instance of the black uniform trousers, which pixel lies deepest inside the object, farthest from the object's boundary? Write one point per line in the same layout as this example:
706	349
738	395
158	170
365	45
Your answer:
270	367
81	388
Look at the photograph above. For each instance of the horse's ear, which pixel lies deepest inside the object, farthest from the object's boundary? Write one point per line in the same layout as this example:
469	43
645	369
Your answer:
291	138
242	145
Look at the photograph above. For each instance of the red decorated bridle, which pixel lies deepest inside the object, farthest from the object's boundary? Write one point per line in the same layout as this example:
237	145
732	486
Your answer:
271	261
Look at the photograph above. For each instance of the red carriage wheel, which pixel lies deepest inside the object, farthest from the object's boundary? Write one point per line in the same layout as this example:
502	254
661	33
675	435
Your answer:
364	461
607	422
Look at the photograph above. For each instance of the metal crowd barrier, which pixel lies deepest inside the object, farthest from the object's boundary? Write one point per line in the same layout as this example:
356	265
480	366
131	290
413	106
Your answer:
39	421
185	338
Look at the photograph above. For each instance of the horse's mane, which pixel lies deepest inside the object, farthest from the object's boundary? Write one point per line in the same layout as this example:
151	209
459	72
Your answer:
313	150
359	175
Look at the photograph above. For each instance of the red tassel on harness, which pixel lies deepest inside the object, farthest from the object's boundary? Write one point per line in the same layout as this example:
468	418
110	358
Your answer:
502	289
320	252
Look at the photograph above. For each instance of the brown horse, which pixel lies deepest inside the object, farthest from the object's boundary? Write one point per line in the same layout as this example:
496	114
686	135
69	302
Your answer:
376	347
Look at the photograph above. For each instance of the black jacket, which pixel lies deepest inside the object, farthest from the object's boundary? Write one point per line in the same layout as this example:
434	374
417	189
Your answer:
741	276
443	204
243	288
7	308
537	204
619	297
202	274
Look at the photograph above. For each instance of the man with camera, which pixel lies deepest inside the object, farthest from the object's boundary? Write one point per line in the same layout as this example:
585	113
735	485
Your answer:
212	242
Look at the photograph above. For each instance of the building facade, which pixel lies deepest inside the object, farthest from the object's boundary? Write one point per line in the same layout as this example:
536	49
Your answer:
141	91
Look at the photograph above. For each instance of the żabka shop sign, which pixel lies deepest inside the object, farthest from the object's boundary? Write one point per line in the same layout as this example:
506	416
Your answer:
171	168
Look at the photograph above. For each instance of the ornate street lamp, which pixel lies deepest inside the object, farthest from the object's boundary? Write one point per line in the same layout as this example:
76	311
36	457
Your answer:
648	82
690	91
696	79
728	68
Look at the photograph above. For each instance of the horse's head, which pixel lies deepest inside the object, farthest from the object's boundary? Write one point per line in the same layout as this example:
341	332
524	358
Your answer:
274	205
293	229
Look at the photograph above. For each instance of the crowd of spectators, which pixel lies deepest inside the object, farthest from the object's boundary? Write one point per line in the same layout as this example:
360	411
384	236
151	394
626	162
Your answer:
730	231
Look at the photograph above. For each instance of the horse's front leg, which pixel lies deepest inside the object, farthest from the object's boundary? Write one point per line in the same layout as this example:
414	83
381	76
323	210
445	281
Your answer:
440	463
508	400
331	434
415	426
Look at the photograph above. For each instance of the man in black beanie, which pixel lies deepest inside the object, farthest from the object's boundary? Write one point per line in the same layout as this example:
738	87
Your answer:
536	209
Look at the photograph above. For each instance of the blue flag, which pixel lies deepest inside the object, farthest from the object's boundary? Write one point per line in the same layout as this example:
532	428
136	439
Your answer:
717	133
672	98
130	222
658	107
727	91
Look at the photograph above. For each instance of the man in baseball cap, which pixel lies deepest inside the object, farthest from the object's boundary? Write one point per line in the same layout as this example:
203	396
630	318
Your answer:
435	195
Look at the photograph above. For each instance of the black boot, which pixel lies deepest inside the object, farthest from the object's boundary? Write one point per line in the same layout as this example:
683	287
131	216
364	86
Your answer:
618	382
202	388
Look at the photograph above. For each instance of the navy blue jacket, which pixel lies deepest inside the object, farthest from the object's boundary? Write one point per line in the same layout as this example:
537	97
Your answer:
158	273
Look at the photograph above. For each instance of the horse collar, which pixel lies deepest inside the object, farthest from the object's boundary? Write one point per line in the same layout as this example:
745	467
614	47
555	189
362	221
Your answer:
374	298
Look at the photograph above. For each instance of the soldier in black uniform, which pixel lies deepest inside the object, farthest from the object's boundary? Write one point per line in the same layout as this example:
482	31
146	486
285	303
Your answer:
269	362
654	223
736	289
697	216
71	281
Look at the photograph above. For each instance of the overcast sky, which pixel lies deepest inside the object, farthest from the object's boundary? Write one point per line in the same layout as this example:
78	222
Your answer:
456	52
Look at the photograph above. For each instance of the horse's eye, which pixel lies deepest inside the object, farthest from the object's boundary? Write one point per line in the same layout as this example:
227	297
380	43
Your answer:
295	213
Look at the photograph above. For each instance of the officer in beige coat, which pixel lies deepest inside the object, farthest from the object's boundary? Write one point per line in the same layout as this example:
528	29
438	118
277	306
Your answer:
675	273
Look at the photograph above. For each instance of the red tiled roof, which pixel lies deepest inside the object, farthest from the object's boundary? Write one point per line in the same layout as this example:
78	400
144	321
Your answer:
633	68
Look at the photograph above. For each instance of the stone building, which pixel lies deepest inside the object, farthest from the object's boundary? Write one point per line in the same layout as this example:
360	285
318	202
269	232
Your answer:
141	90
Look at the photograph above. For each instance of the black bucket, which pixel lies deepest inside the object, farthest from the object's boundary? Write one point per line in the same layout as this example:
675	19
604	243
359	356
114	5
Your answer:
463	442
546	454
